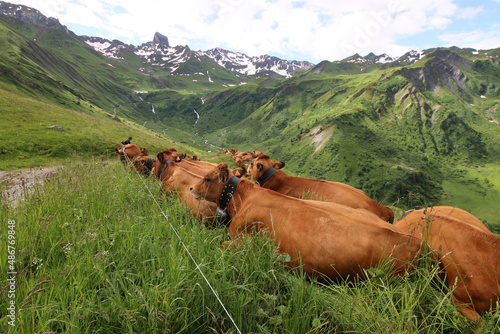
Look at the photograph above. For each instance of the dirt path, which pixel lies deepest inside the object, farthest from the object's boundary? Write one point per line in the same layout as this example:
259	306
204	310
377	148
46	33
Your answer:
13	184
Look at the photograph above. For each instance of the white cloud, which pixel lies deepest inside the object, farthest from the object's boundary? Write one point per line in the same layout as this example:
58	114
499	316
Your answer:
471	12
473	39
310	29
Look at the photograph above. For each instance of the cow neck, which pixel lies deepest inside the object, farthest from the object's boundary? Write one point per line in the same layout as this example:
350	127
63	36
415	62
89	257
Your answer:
163	167
122	154
266	176
149	164
228	192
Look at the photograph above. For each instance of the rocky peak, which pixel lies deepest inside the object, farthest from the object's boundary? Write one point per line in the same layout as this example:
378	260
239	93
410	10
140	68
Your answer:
29	15
411	57
161	40
444	69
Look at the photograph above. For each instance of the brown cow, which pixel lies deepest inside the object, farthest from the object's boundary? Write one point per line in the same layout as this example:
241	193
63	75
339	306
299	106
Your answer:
132	155
202	167
195	166
468	251
179	180
204	163
330	240
143	164
265	172
240	157
129	152
172	154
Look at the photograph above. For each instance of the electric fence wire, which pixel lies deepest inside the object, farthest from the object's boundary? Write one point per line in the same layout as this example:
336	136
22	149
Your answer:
129	162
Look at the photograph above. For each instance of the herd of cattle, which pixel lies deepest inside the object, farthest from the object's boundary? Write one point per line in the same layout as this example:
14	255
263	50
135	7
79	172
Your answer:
331	230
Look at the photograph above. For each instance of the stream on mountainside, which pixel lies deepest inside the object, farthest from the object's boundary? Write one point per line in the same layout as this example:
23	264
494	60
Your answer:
197	118
196	133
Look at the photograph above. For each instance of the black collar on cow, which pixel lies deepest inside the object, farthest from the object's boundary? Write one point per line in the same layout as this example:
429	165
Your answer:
149	164
122	154
228	192
164	166
266	176
222	217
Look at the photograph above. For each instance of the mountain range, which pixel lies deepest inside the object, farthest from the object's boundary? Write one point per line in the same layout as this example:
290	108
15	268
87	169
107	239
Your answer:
422	128
159	52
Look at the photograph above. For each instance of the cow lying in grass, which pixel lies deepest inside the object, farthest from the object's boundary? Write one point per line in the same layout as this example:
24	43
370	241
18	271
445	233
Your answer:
132	155
267	174
196	166
330	241
240	157
468	252
179	180
129	152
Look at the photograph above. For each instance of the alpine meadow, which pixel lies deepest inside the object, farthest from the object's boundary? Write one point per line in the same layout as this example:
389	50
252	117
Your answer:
98	247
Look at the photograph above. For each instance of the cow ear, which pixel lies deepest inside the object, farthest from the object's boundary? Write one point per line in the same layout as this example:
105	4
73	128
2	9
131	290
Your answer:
279	164
179	158
260	166
223	172
239	172
224	175
159	156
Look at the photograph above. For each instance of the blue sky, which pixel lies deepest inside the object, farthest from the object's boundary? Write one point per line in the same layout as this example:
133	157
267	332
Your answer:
312	30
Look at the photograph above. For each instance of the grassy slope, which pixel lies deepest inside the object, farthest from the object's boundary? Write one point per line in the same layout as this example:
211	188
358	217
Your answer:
27	140
476	189
96	255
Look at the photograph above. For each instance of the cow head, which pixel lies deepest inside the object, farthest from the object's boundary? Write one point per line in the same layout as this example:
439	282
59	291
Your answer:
241	157
144	164
176	154
162	158
256	153
262	163
211	186
240	172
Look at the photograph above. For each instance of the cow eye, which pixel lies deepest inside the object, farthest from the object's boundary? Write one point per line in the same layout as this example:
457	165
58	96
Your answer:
207	179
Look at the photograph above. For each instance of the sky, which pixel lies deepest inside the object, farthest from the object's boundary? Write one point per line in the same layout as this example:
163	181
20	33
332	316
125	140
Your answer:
311	30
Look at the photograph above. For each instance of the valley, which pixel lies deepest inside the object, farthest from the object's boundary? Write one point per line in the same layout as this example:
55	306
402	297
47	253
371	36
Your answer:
417	130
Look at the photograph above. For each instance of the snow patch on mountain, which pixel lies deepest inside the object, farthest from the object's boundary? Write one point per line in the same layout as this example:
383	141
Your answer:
244	64
106	47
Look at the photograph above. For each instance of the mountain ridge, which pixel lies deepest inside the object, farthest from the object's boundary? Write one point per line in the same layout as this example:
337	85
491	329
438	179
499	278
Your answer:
158	52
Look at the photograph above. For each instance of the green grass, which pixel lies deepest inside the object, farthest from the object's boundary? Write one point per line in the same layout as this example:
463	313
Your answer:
94	254
477	190
28	142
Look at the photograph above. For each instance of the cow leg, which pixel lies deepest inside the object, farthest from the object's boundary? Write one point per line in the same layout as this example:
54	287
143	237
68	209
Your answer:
232	243
467	311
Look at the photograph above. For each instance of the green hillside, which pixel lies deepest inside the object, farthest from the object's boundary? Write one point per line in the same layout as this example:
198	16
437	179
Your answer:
27	140
407	134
